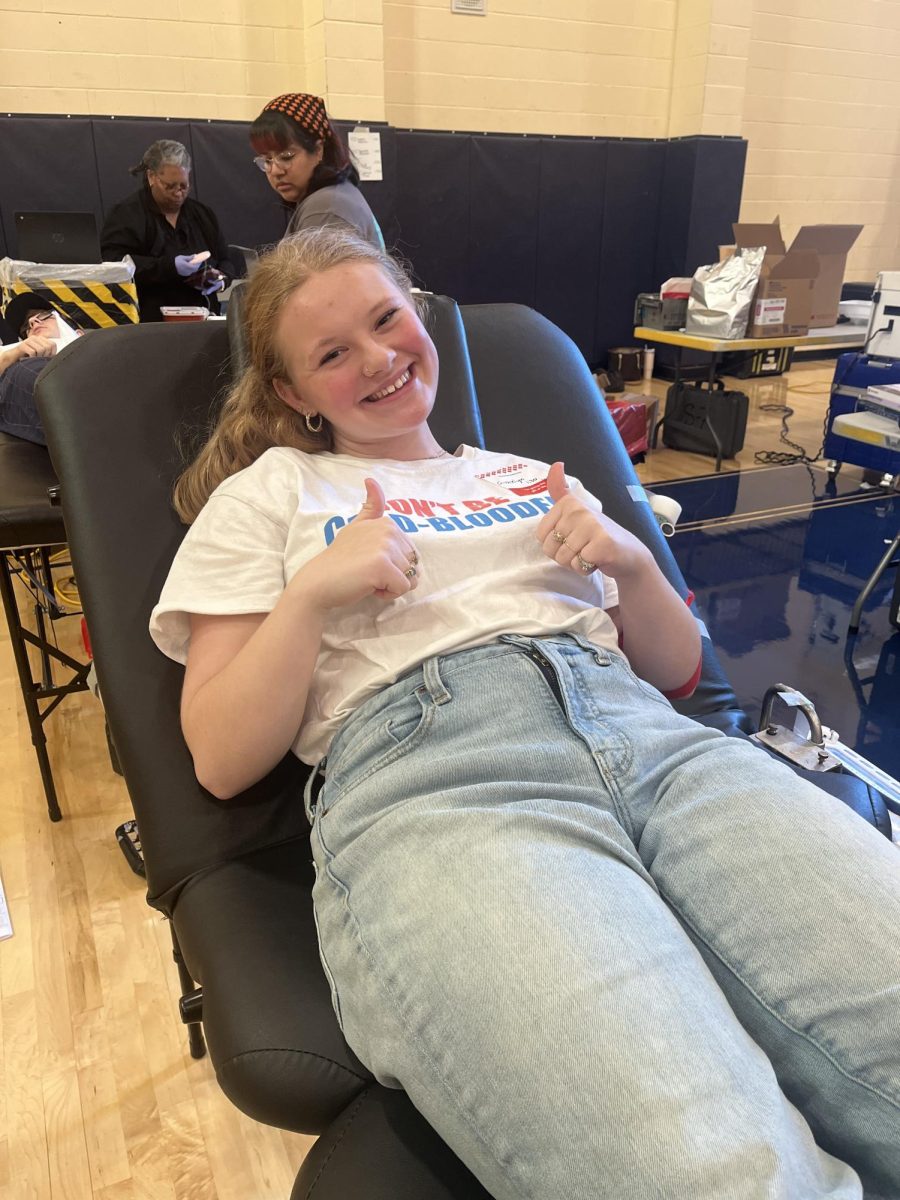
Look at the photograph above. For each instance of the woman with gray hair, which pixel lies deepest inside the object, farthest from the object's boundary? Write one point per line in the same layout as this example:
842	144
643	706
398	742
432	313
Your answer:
179	253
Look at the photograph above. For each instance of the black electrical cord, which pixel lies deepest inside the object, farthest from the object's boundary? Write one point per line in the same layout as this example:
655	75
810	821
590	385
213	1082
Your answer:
889	328
780	458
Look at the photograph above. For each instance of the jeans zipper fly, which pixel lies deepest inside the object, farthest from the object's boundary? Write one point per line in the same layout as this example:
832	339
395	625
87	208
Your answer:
546	669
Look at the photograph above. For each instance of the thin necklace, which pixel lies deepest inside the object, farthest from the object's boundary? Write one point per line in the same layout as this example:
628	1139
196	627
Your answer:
441	454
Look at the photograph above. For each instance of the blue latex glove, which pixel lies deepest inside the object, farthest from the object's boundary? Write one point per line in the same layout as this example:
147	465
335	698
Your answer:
214	285
185	265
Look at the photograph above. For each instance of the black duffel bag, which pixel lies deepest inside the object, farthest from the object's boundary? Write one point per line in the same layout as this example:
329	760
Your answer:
691	409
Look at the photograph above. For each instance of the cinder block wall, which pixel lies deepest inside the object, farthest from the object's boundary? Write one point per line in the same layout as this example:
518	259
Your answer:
709	66
812	84
822	119
179	58
591	67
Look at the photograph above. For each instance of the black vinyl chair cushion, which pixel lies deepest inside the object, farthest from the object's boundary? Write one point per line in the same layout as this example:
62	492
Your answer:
381	1148
122	446
289	1065
27	518
517	352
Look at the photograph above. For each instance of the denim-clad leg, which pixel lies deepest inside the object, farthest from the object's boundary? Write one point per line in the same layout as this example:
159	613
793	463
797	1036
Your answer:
18	410
499	875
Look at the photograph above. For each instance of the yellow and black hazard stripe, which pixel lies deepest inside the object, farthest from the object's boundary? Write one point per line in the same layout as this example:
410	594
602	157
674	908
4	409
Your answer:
87	304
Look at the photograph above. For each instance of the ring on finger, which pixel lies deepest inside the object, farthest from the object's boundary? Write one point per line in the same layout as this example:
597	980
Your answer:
559	537
410	572
585	566
413	558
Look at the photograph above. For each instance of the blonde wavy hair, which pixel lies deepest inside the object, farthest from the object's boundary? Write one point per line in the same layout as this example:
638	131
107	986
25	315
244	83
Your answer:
253	418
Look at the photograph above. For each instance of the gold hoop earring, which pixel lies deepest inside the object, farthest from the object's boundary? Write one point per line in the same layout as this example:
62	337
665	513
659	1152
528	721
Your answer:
309	422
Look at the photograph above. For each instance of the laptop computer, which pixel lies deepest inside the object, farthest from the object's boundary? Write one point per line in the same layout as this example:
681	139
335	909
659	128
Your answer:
57	237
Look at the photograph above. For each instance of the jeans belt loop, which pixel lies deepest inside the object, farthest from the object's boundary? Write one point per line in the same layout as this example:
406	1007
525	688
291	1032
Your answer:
308	803
600	655
434	685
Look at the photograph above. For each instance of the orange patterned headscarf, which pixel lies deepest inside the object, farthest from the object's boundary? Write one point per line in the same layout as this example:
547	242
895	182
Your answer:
308	111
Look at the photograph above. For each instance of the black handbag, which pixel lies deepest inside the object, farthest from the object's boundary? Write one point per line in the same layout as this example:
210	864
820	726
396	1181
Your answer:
691	410
611	381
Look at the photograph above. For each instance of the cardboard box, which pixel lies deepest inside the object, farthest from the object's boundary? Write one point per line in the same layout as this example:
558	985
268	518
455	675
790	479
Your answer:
782	306
818	254
831	244
783	303
650	403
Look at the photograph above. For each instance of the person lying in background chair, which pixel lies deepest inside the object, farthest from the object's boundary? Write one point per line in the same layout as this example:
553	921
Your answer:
42	330
165	231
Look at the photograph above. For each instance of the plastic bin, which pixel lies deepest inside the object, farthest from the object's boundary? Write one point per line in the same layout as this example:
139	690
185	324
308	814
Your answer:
90	295
651	311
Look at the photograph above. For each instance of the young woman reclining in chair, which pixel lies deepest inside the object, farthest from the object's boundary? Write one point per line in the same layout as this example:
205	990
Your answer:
606	951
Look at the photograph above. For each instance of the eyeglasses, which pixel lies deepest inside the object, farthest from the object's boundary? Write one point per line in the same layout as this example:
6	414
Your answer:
266	162
172	189
36	320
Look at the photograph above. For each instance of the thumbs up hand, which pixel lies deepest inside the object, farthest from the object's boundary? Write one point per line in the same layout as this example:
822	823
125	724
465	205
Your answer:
557	484
370	556
578	536
374	505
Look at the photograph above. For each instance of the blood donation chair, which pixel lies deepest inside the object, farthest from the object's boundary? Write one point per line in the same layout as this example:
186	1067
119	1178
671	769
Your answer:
234	877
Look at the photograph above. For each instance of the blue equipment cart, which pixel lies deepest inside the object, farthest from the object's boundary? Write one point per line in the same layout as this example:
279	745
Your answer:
853	374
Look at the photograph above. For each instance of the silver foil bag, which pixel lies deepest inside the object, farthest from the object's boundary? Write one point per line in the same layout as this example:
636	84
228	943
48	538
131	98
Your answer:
722	295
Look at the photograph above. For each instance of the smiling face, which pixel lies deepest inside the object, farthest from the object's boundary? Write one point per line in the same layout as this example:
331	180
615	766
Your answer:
355	351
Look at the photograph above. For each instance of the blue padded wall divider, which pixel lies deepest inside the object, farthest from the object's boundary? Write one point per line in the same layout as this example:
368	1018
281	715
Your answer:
119	144
250	213
504	195
570	235
632	197
701	187
574	227
701	184
49	165
432	207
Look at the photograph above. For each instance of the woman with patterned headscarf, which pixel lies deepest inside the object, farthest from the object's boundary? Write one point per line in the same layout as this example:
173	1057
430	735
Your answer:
307	164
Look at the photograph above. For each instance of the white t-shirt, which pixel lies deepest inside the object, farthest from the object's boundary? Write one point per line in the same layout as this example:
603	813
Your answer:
482	573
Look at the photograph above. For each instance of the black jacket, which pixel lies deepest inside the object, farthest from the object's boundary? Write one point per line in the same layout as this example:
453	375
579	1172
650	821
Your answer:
135	226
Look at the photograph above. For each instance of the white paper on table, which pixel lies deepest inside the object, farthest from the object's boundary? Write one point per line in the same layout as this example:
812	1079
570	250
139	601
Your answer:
365	150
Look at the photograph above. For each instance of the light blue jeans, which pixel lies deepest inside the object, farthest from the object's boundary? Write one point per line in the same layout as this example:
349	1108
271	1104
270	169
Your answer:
607	952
